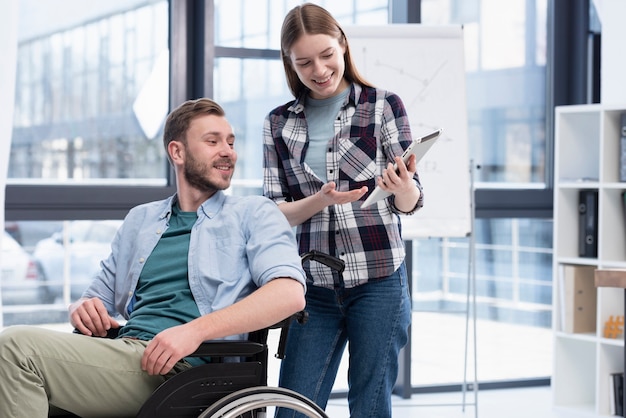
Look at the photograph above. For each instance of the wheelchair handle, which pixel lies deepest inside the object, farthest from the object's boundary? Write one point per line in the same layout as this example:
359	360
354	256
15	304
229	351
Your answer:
328	260
301	317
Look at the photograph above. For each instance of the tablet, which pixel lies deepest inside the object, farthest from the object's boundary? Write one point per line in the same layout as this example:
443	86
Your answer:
418	147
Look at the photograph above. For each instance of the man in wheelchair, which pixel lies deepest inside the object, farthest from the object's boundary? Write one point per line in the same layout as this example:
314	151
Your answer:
200	265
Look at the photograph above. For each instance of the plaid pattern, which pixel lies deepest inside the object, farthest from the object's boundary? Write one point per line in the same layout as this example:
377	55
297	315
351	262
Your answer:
371	129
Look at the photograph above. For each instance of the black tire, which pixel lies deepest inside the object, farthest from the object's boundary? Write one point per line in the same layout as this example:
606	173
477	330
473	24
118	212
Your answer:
247	400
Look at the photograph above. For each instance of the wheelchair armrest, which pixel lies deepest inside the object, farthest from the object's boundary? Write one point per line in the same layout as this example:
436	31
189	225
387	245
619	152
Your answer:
249	348
111	333
211	348
228	349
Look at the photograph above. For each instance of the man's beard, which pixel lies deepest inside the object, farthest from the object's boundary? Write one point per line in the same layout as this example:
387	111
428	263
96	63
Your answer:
195	174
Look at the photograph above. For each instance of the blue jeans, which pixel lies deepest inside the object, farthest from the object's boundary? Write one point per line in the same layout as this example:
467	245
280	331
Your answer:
374	319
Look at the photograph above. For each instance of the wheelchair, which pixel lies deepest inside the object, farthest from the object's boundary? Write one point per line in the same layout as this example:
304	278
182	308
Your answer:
228	389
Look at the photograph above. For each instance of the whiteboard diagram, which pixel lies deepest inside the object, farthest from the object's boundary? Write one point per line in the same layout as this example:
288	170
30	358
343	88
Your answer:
424	66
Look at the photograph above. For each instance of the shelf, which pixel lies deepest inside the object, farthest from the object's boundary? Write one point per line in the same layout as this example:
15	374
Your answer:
583	162
587	157
574	381
589	337
583	261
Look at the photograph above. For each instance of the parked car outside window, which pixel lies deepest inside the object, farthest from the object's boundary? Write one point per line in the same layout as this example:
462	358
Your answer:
20	279
88	242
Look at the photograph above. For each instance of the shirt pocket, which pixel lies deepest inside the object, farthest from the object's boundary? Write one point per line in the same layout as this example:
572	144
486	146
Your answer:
357	159
221	261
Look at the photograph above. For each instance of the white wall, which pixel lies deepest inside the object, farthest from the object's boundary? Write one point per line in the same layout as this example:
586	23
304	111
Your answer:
612	15
8	52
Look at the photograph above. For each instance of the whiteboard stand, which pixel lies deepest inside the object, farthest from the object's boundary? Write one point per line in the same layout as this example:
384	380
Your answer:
470	307
470	314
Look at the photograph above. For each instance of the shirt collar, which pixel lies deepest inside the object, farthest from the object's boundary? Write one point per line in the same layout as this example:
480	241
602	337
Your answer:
209	208
298	105
213	204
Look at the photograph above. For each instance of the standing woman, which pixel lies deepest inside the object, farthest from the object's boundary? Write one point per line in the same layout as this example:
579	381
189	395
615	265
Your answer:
323	152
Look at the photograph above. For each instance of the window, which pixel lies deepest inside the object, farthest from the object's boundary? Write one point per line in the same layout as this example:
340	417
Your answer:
505	50
249	87
91	94
86	147
506	102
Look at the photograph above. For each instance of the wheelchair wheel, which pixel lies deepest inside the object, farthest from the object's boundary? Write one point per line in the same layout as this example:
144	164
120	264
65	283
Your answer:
258	398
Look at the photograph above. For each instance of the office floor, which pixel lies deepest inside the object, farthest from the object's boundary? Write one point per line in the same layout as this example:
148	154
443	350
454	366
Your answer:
496	403
535	402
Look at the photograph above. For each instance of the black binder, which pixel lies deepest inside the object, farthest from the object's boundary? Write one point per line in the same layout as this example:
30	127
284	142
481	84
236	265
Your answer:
617	394
588	223
622	147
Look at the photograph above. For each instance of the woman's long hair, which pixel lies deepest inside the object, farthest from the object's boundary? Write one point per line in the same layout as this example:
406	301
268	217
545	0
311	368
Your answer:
313	20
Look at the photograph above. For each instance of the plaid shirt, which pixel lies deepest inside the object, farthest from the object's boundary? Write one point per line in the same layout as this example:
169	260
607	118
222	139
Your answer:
372	127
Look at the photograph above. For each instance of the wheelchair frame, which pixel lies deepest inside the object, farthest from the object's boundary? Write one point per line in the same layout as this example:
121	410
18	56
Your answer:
232	389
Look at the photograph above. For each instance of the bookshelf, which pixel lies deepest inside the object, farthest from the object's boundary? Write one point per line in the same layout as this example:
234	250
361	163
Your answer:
587	158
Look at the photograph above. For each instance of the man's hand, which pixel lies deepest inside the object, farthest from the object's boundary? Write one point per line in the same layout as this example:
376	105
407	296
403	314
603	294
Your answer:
168	347
90	317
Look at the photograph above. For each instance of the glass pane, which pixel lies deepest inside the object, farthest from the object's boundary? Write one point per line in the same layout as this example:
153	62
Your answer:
505	50
513	303
91	92
254	24
246	109
249	88
46	265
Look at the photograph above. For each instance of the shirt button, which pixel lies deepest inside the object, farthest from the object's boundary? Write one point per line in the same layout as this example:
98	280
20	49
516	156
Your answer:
158	232
141	259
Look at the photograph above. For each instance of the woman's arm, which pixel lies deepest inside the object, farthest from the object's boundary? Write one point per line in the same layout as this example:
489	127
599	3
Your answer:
302	210
401	184
396	133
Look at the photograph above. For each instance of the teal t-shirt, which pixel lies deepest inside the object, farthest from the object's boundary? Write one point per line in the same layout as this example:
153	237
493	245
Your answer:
163	298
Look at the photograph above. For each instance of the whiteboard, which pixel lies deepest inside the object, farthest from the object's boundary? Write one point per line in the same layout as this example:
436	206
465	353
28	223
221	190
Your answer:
425	66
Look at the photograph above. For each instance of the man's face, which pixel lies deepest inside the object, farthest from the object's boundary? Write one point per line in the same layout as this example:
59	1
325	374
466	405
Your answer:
209	153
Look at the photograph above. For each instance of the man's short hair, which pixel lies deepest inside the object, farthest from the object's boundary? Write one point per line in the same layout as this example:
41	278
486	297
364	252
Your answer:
178	121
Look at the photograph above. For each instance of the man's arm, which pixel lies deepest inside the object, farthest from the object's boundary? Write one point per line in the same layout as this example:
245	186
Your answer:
268	305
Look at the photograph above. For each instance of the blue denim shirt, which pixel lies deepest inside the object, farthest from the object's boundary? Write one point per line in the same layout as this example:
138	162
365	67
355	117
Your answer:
237	245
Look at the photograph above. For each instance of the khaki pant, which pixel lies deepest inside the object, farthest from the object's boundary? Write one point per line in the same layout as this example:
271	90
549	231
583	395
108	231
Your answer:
42	369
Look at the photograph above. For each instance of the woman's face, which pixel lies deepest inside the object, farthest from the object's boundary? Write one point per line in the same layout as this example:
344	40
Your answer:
318	61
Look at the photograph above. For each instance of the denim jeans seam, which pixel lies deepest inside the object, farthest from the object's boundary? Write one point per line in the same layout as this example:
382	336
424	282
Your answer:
390	343
327	362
